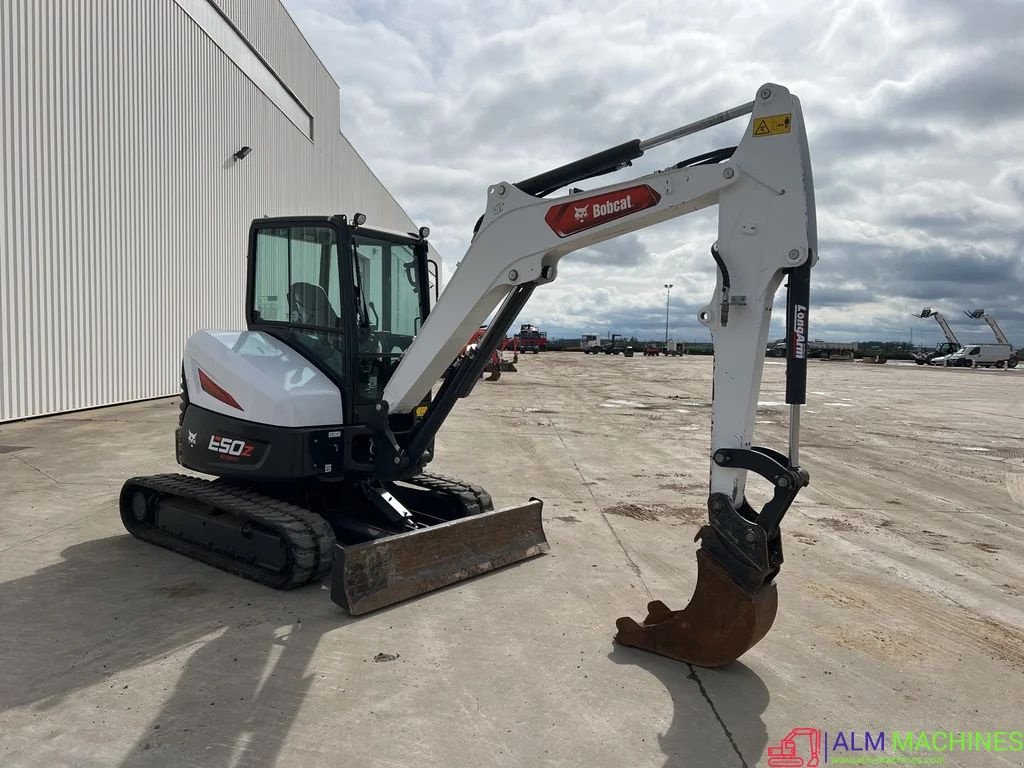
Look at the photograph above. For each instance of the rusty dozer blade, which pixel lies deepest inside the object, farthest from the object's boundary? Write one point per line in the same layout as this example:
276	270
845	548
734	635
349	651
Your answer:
377	573
721	622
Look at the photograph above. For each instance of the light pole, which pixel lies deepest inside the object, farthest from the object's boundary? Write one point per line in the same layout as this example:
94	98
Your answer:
668	294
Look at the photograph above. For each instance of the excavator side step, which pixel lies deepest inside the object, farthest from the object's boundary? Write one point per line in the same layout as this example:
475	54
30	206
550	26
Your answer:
229	527
377	573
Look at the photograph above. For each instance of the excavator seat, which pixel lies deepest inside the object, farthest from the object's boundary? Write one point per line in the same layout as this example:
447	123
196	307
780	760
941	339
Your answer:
309	305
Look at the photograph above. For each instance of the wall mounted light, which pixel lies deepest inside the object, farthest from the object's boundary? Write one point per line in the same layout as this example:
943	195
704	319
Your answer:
242	153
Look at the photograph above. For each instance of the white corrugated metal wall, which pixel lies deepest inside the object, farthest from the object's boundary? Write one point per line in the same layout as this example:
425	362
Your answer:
122	218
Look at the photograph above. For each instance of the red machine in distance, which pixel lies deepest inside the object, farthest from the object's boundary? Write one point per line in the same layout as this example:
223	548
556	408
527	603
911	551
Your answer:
531	339
497	364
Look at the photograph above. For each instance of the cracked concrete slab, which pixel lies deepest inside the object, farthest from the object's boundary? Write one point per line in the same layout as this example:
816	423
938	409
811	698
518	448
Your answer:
900	599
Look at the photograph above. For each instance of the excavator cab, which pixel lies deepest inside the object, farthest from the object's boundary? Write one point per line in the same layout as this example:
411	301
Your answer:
351	296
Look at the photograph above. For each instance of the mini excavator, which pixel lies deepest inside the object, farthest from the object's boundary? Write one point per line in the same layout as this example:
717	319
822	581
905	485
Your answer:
498	364
317	422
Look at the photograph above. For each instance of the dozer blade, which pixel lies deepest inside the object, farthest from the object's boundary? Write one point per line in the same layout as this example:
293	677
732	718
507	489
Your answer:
506	367
377	573
721	623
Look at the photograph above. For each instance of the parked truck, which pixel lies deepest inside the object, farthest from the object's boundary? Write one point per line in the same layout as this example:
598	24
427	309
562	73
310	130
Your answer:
590	343
531	339
615	344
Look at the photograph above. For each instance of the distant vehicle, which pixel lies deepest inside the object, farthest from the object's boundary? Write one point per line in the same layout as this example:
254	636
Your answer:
531	339
981	314
497	364
590	343
613	345
817	348
951	345
943	350
983	356
940	360
671	349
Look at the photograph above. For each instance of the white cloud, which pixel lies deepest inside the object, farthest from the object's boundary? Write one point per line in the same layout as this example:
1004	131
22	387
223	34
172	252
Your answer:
914	109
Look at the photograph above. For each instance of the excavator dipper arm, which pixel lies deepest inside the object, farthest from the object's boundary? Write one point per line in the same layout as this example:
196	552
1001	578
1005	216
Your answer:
766	232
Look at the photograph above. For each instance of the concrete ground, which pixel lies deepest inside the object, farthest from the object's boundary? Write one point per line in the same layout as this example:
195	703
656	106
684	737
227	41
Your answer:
900	601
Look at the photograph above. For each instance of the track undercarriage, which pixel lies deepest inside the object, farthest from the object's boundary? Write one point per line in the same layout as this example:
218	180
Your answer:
288	536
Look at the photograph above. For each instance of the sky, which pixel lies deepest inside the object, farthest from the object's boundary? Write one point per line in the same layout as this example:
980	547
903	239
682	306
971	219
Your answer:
914	112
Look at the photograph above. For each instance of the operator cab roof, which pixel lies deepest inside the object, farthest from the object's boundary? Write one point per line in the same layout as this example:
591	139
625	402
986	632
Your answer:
383	233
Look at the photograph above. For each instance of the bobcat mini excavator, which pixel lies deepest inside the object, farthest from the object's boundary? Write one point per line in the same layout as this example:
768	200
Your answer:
319	419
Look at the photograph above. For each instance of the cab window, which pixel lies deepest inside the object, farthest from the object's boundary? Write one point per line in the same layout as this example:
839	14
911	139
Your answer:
296	285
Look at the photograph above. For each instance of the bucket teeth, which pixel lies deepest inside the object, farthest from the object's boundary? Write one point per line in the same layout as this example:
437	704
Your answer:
721	622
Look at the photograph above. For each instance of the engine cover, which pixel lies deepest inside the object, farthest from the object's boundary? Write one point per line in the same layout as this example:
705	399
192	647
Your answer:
253	376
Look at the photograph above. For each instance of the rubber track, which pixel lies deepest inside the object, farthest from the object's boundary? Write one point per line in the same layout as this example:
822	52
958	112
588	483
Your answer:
310	538
474	498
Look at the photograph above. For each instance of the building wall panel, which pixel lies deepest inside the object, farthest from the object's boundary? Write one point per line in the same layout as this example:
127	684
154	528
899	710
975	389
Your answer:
123	218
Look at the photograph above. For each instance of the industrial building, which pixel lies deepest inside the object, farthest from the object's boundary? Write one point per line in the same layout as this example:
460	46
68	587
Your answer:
138	141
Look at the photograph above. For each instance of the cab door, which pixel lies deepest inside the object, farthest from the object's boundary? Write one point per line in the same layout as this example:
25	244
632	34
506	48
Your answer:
296	292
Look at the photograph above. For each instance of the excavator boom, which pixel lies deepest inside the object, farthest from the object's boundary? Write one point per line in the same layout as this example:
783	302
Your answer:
766	233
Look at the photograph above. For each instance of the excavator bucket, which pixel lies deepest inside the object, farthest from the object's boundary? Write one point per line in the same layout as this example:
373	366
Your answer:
492	371
381	572
721	622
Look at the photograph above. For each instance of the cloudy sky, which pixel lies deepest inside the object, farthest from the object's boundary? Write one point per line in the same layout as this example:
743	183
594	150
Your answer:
915	115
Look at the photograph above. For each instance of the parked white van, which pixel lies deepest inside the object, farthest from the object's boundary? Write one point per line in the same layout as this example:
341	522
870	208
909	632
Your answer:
984	355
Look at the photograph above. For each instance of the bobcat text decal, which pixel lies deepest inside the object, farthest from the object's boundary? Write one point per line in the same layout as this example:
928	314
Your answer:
577	215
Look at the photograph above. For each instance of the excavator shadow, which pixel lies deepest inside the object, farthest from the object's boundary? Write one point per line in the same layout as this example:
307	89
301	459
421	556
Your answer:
112	606
730	729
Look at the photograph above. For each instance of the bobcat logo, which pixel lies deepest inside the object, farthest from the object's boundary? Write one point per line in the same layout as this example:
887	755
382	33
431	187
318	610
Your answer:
581	213
192	437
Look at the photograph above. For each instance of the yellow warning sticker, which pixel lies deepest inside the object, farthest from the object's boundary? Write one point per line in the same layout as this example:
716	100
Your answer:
772	125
